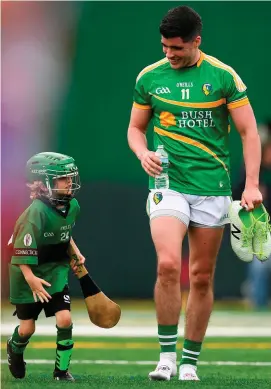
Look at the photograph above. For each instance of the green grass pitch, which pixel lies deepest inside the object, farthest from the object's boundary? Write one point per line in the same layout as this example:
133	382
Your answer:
123	363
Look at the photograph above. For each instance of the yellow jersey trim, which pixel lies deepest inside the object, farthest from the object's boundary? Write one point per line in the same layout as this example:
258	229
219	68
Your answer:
162	61
241	87
191	142
211	104
238	103
141	106
151	67
201	59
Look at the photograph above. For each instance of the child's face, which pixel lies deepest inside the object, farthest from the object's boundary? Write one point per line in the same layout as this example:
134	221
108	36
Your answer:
63	185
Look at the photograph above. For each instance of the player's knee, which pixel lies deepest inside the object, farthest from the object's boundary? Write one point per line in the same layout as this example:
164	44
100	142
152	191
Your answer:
201	280
169	268
63	319
27	329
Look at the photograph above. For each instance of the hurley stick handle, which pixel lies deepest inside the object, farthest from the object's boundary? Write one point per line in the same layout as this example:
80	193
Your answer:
89	287
74	253
81	269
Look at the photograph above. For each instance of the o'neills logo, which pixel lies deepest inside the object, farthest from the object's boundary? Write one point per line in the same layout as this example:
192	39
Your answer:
25	252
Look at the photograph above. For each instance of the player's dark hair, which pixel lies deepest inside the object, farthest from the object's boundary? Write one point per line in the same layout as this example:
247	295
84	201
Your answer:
182	22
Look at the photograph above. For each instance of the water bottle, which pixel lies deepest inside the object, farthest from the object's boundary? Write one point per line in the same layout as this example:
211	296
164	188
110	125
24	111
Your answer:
162	181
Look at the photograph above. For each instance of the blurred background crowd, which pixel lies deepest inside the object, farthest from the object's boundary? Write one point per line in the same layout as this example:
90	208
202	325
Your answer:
68	73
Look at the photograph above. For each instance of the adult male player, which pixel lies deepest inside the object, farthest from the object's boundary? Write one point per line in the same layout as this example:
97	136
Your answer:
40	261
189	95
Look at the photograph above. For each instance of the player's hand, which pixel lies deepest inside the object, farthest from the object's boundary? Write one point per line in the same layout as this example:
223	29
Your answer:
251	198
39	293
151	163
79	261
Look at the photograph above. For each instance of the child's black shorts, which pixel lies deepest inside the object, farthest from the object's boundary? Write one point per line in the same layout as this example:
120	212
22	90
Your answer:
60	301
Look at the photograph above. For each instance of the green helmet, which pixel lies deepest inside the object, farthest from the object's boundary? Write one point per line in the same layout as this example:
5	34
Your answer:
47	167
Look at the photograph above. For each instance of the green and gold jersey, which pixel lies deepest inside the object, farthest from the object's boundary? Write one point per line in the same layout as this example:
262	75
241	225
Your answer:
190	109
41	239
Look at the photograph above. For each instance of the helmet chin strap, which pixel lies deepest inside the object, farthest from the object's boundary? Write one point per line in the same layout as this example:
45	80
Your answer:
61	201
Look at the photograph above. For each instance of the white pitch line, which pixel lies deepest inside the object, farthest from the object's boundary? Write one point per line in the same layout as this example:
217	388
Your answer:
141	331
119	362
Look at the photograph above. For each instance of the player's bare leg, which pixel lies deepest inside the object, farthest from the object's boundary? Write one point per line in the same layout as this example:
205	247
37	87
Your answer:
16	345
204	245
167	234
64	346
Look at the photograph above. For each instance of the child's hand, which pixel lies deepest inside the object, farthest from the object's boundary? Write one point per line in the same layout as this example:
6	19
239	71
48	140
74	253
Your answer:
39	293
79	261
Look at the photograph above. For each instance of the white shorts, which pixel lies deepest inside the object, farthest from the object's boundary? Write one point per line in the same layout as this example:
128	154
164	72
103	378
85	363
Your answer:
193	210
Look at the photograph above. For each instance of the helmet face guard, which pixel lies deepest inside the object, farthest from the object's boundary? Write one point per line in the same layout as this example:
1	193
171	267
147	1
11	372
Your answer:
48	168
54	194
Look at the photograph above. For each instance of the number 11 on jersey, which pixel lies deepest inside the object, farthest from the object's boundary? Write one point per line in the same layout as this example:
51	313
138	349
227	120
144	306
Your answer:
185	94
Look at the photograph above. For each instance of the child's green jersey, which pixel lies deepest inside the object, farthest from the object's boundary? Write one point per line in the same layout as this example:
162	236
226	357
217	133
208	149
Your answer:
41	239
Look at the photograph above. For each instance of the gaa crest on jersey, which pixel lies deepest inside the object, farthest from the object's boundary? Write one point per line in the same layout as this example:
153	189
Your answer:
207	89
27	240
157	197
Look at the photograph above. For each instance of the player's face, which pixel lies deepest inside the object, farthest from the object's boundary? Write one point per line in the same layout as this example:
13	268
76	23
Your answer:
63	185
179	53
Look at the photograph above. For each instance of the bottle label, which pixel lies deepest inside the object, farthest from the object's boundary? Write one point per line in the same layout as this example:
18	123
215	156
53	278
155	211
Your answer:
164	160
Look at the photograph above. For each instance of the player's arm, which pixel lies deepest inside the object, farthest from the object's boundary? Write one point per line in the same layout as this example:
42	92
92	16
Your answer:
36	284
244	120
138	142
245	123
141	115
25	255
75	254
137	129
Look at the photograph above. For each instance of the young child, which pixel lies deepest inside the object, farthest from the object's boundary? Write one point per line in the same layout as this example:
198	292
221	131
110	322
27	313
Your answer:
40	260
